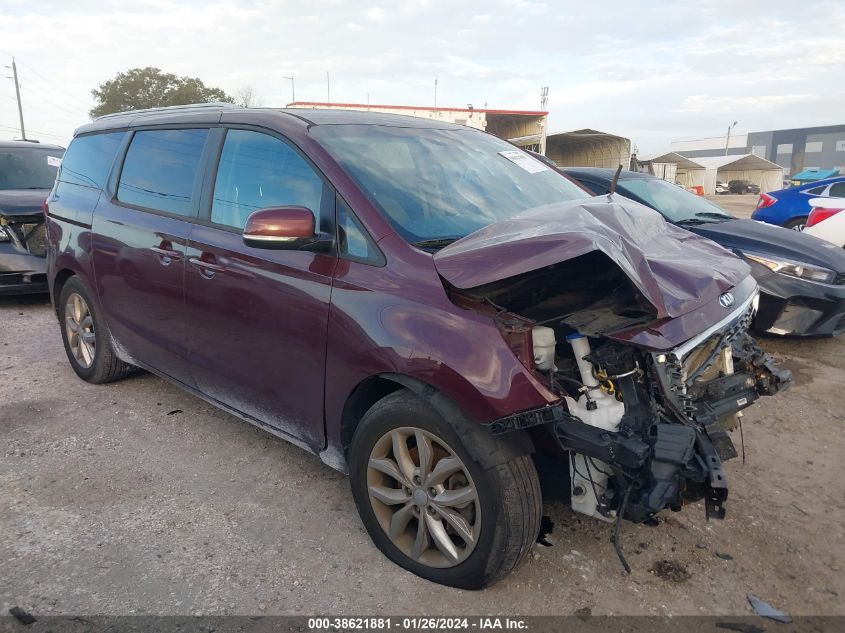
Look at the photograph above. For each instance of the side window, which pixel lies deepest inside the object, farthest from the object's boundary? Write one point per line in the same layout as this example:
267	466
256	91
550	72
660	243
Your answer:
258	170
88	160
160	169
352	238
815	191
837	190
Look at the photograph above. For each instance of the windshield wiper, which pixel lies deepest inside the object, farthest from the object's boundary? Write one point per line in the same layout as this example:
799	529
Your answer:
713	214
691	221
435	244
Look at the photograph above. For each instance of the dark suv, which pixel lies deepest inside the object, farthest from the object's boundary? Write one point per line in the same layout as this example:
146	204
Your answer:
27	172
419	303
743	186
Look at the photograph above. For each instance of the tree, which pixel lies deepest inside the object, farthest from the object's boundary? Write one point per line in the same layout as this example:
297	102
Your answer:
246	98
140	88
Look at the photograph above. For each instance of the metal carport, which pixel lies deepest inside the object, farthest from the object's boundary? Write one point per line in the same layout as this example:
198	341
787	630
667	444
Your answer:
588	148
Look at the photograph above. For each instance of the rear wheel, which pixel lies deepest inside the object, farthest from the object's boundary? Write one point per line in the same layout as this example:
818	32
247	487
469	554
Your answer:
796	224
429	507
86	339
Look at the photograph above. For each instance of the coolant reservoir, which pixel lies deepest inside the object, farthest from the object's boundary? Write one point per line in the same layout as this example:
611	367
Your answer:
589	476
544	347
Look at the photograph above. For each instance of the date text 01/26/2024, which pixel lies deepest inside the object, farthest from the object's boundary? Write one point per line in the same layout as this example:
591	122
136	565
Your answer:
416	624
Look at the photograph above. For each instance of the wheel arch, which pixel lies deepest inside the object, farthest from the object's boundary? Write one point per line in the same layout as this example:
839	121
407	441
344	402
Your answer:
486	449
59	281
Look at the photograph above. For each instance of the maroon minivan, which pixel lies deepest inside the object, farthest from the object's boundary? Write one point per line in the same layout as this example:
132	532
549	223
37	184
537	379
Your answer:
422	304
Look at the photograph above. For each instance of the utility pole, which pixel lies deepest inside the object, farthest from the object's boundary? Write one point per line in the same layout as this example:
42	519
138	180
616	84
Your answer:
728	139
18	94
435	93
544	99
328	89
292	91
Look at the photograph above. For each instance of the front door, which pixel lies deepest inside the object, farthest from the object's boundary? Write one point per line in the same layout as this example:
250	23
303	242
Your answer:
256	318
139	247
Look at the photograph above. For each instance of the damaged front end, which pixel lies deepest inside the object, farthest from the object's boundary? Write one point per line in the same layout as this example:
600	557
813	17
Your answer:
23	245
646	397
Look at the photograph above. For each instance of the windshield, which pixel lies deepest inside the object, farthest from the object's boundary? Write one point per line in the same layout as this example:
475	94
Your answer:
673	202
439	185
28	168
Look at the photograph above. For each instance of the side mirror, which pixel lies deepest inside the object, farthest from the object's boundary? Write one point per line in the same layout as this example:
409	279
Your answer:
286	228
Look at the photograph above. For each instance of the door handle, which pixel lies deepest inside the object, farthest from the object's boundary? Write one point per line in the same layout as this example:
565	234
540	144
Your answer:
207	269
166	255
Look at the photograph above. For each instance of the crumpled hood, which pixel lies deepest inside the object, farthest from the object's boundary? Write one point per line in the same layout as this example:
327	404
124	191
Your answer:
22	202
675	270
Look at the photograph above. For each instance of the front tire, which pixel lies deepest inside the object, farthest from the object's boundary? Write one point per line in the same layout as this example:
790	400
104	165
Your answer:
432	509
86	339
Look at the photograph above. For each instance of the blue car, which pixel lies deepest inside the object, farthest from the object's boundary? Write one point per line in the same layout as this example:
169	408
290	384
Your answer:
790	207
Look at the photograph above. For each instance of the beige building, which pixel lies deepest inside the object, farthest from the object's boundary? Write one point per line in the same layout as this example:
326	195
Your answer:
523	128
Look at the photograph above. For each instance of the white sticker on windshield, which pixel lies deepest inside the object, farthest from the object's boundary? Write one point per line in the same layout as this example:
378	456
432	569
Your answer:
54	161
521	159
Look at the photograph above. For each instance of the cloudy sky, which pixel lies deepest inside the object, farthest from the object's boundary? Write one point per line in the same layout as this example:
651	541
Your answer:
651	71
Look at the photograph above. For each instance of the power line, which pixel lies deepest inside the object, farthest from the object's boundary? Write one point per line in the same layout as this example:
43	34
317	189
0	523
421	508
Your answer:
51	82
41	95
36	132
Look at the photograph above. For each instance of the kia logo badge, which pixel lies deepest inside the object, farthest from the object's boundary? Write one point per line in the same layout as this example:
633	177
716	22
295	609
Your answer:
726	300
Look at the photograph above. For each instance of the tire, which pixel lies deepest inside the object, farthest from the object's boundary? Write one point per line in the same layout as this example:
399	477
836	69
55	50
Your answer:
96	364
796	224
503	519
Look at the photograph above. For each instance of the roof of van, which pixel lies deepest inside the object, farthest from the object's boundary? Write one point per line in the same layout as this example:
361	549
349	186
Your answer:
315	116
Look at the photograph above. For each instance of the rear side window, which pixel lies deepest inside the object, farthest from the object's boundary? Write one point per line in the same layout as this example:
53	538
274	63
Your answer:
160	169
258	171
88	160
816	191
837	190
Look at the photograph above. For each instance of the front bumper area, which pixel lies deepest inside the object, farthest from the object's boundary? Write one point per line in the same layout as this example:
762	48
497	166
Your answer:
23	246
21	272
795	307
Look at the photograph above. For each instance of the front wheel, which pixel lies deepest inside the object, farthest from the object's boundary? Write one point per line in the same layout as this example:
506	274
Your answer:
429	507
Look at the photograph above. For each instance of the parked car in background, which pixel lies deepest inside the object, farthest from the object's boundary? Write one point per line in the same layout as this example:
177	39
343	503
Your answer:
722	188
421	304
827	220
742	186
27	172
802	279
790	207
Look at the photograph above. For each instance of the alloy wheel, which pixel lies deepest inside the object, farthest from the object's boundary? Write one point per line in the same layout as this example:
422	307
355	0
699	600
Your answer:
423	497
79	326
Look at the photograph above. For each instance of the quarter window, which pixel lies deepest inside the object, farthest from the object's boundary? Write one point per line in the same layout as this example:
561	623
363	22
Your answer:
160	169
258	171
353	240
837	190
88	160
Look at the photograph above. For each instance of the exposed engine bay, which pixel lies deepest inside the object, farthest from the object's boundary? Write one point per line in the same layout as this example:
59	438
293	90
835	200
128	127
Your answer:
644	429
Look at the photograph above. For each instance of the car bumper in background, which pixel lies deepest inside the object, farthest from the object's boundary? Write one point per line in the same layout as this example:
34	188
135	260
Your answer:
21	272
794	307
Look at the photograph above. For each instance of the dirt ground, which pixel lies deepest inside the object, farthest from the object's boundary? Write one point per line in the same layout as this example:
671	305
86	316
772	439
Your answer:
138	498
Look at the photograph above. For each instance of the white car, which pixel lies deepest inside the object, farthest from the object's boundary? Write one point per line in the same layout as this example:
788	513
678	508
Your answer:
722	187
826	220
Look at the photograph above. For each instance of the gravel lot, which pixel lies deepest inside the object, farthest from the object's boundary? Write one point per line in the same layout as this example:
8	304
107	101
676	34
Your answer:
136	497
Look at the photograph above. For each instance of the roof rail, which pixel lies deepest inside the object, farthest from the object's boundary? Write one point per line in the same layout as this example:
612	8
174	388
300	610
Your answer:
190	106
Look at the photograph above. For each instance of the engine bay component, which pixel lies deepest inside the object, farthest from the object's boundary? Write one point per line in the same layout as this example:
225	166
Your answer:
644	430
